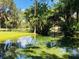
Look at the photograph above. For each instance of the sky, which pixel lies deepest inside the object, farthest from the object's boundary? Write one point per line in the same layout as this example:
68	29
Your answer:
23	4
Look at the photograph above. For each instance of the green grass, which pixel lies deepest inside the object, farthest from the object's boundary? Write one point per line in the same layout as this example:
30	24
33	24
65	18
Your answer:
13	35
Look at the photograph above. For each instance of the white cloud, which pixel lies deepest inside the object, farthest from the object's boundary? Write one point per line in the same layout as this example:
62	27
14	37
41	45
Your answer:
22	10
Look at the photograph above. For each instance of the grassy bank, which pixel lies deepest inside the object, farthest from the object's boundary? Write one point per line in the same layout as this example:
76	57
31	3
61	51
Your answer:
13	35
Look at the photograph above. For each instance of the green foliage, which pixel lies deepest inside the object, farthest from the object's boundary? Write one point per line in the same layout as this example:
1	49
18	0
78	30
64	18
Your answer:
8	14
41	23
77	27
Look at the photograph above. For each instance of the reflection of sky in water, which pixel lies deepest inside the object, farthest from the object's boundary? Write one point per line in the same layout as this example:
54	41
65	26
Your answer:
23	41
23	57
8	44
70	50
1	56
63	50
28	40
75	52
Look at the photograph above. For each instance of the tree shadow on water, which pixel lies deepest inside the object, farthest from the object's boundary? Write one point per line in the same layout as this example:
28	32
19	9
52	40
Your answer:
68	42
46	55
70	57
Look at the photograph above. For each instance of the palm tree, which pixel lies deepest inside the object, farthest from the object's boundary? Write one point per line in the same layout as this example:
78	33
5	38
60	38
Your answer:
36	8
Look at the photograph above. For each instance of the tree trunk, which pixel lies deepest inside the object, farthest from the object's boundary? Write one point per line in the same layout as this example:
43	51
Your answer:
36	8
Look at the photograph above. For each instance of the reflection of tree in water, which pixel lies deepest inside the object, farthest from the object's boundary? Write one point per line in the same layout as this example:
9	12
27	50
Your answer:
12	52
8	53
70	57
68	42
46	55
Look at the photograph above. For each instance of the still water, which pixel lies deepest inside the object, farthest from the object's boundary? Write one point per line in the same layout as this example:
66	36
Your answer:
21	56
23	42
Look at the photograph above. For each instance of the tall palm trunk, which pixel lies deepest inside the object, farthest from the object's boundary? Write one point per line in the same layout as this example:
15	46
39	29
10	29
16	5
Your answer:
35	13
36	8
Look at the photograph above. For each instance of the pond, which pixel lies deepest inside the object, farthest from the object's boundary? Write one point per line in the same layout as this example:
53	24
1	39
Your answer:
17	50
21	56
23	42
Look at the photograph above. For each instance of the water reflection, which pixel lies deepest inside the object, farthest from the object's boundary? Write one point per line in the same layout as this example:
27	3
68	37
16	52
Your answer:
63	50
74	52
24	41
7	44
21	56
51	44
71	51
1	56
